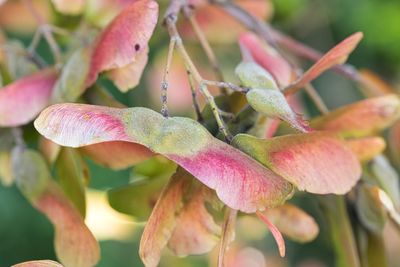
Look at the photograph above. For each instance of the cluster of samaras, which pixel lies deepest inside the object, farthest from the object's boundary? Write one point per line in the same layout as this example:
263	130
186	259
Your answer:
256	172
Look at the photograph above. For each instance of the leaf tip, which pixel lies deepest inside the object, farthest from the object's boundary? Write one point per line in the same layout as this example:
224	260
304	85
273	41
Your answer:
275	233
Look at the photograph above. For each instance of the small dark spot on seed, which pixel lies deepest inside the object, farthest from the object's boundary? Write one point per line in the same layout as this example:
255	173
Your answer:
137	47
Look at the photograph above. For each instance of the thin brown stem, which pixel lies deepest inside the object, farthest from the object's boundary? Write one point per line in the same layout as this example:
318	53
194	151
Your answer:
194	97
170	20
227	234
229	85
164	83
216	111
316	98
204	43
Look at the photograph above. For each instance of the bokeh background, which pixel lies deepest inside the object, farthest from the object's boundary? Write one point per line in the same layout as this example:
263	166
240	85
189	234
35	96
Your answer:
25	234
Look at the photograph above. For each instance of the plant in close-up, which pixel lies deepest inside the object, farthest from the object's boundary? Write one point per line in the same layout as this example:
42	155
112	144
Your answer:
209	145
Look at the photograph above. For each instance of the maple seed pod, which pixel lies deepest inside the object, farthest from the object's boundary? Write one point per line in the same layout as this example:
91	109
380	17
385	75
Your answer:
273	104
253	75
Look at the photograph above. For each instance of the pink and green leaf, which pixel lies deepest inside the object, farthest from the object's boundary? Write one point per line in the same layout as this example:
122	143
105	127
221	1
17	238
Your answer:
180	220
71	83
162	221
316	162
196	231
23	99
273	104
240	182
363	118
264	95
253	75
124	40
74	243
337	55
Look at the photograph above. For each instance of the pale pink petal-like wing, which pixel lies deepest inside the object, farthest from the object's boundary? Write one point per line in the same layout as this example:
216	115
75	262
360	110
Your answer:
162	220
74	243
181	220
39	263
316	162
240	182
23	99
337	55
363	118
275	233
124	38
196	232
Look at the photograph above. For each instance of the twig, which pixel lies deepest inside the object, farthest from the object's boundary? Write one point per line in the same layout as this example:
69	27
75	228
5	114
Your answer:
204	43
164	83
227	232
229	85
315	97
45	30
215	110
170	19
170	22
194	97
